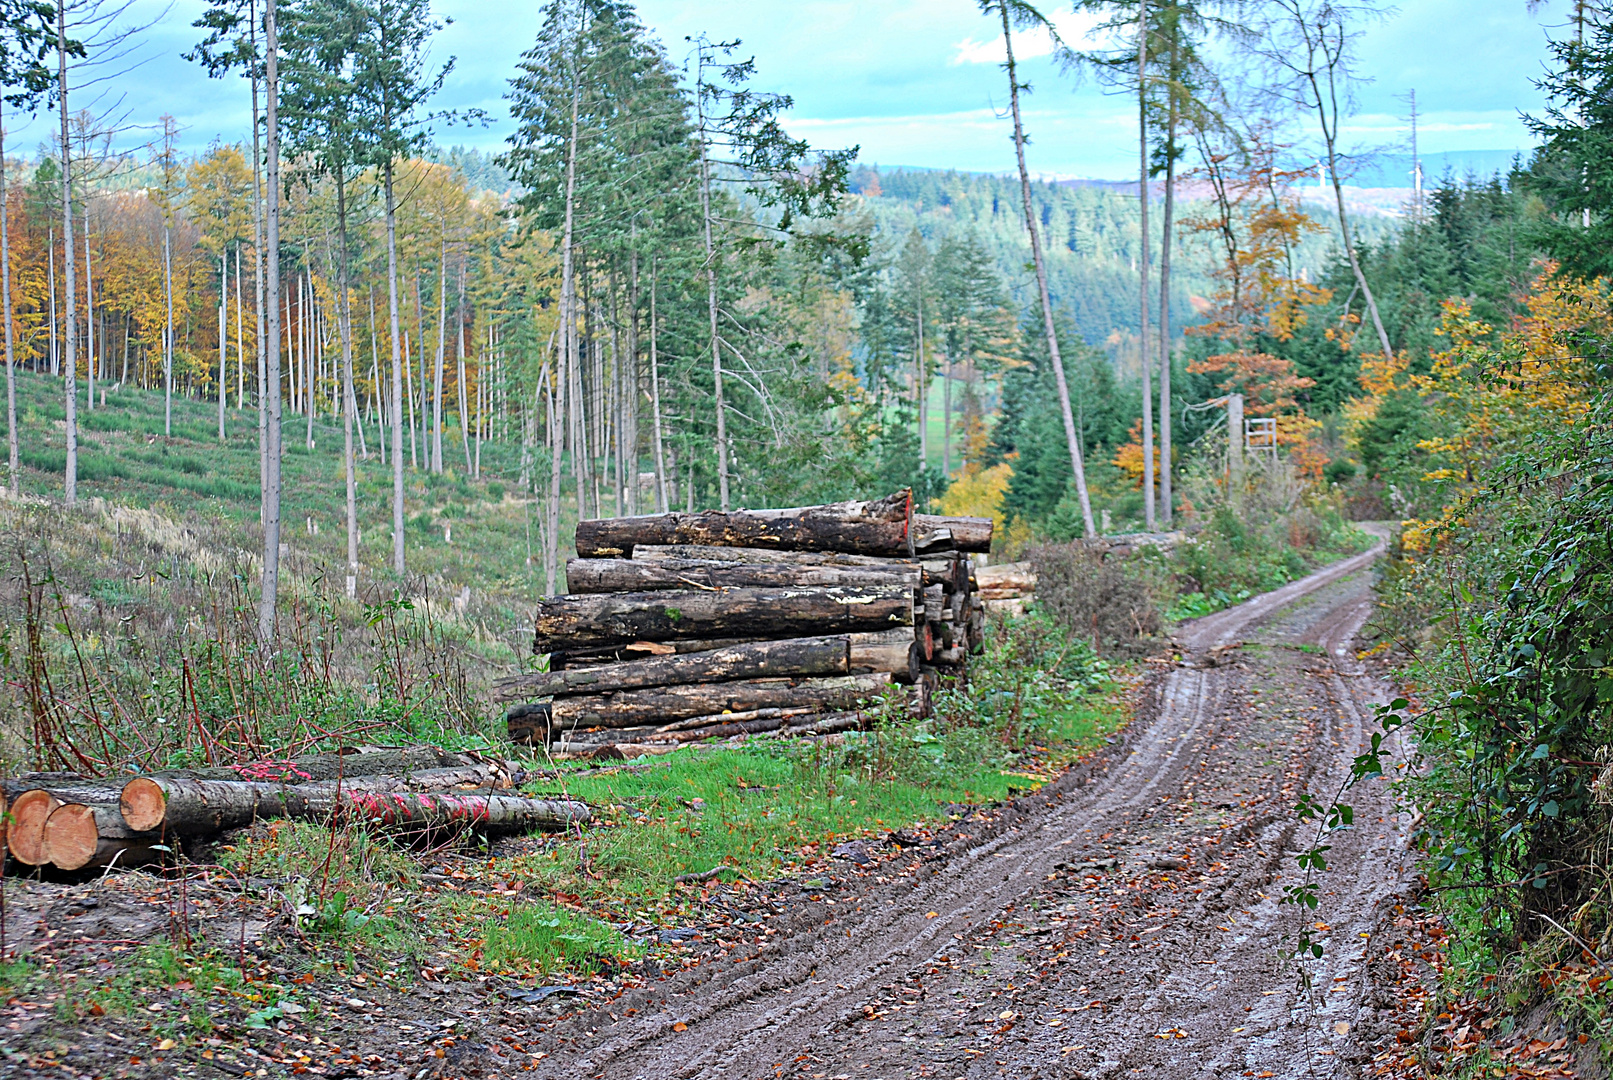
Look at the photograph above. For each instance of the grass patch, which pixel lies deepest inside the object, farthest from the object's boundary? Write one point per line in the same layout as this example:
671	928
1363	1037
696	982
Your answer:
545	939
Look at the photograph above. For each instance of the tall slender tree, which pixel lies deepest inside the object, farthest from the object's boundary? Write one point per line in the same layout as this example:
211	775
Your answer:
395	81
326	125
1016	14
24	79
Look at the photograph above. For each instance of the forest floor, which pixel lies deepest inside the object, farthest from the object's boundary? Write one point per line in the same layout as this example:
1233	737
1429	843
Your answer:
1122	920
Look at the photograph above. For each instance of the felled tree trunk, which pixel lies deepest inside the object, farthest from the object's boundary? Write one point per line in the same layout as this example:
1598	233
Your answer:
966	533
752	660
885	650
662	705
82	836
191	807
572	622
589	576
880	527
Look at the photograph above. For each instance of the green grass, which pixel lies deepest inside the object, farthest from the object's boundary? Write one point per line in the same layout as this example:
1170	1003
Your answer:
125	458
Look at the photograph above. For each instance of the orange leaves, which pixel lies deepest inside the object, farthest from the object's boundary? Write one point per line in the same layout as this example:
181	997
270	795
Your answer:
1268	383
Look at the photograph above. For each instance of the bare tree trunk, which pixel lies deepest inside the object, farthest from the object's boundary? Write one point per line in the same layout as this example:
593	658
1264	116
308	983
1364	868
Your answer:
271	494
15	477
1144	357
711	308
459	351
442	343
921	383
1165	496
240	338
257	273
223	338
89	316
69	315
663	503
344	322
398	562
1071	435
564	404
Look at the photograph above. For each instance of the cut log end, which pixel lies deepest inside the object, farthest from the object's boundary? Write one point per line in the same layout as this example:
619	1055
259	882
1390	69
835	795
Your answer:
71	837
26	836
143	803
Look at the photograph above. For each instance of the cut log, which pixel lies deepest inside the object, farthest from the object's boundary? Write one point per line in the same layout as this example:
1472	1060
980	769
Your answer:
593	576
880	527
423	812
1017	577
208	806
528	724
569	659
327	766
713	553
723	728
26	836
752	660
968	533
83	836
662	705
572	622
951	571
952	656
885	650
192	807
934	603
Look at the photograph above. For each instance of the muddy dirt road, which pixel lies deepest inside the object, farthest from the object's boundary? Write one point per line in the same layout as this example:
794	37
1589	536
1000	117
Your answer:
1124	921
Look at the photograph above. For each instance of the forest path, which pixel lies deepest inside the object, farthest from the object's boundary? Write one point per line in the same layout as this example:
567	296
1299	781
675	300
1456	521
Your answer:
1124	921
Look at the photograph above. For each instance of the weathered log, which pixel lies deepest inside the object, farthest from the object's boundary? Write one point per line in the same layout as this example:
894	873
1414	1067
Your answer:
26	836
952	655
751	660
528	724
81	836
885	650
592	576
879	527
714	553
1018	577
924	642
664	704
326	766
569	659
726	727
968	533
208	806
205	806
570	622
934	603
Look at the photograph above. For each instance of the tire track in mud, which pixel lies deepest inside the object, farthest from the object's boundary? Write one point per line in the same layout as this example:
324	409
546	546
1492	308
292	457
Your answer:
1006	955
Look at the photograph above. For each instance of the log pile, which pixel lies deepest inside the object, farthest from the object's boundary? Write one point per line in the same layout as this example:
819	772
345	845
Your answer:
681	627
71	823
1006	589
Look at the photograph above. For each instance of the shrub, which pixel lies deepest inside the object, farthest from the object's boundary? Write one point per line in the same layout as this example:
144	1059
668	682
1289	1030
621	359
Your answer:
1113	602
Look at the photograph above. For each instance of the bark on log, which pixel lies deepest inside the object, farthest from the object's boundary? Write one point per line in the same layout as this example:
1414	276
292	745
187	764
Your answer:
751	660
952	656
190	807
573	622
662	705
726	728
214	805
81	836
968	533
528	724
711	552
951	572
593	576
885	650
325	766
934	603
880	527
571	659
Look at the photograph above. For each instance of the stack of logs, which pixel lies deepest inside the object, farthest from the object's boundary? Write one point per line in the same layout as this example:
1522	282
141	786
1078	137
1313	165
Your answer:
73	823
682	627
1005	589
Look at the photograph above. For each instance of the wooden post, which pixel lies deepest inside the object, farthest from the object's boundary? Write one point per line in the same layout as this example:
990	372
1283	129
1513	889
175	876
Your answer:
1235	449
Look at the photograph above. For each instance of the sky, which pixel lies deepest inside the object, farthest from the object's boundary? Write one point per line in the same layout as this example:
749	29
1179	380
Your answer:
912	82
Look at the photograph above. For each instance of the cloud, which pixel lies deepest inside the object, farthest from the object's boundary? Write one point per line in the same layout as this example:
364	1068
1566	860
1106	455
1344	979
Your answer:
1078	29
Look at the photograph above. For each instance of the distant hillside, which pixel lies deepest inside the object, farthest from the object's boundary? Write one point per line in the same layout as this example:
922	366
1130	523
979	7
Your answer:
1092	237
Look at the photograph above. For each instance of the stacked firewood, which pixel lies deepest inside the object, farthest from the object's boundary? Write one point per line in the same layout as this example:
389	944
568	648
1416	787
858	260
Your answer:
1005	589
70	822
682	627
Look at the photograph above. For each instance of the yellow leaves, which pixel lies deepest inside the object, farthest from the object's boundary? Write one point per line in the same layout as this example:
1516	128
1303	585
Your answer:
978	492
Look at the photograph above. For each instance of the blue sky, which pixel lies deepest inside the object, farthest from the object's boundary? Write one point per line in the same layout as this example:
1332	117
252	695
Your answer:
915	82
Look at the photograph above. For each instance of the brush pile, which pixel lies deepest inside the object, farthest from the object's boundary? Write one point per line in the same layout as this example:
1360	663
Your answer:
72	823
682	627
